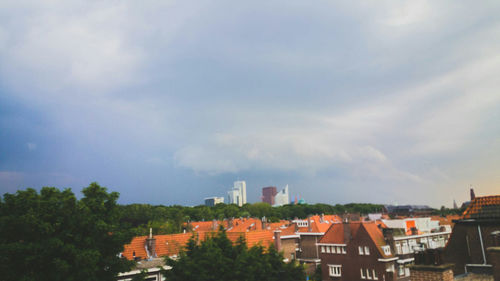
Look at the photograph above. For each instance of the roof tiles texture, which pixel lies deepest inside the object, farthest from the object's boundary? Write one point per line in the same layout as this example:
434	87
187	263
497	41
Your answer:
486	207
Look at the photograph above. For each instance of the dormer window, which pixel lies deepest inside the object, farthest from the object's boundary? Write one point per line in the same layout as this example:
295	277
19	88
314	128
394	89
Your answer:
387	250
360	248
367	250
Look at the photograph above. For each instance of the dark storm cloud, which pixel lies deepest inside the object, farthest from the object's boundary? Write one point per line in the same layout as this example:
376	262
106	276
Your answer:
169	102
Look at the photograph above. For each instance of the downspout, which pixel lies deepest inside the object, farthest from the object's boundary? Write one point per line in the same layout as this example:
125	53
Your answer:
316	240
481	240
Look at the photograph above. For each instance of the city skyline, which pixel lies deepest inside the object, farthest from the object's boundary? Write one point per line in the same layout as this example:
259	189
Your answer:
385	102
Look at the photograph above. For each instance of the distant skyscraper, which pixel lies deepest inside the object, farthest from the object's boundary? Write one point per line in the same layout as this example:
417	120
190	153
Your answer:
268	194
282	198
242	187
212	201
238	195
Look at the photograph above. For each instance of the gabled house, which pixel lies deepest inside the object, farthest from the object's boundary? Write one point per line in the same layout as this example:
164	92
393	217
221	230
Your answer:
351	251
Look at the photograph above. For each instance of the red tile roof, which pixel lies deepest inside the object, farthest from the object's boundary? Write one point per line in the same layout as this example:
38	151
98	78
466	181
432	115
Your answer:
172	244
485	207
335	234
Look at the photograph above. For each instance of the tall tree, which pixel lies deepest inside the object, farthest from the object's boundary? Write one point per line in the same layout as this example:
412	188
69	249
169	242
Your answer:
53	236
217	259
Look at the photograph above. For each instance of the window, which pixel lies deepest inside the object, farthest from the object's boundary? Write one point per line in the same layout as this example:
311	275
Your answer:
322	249
398	248
333	249
343	250
362	273
327	249
401	270
338	249
368	276
374	274
387	250
390	268
367	250
335	270
360	248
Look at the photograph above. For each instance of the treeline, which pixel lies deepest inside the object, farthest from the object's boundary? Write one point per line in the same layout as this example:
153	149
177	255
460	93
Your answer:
170	219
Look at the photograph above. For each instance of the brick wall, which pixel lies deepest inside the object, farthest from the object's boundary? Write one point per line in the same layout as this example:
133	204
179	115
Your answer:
494	260
308	247
288	247
432	273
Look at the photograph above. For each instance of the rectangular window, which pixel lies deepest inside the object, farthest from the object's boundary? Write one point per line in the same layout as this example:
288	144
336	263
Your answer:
343	250
360	248
367	250
335	270
322	249
374	274
338	250
368	275
327	249
362	273
398	249
333	249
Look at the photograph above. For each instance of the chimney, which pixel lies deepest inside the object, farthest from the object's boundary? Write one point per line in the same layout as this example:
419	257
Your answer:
414	231
277	240
347	231
309	226
151	244
264	222
472	195
322	218
429	266
214	225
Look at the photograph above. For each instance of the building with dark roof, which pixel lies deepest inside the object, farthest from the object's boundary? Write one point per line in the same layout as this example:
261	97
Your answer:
473	234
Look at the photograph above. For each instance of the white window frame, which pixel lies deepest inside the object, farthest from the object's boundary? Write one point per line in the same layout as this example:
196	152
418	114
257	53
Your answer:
343	250
328	249
368	276
362	273
335	270
374	274
333	249
367	250
339	250
387	250
322	249
360	249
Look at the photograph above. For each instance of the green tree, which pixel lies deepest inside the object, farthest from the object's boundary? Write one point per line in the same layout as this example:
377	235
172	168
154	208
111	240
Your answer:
217	259
53	236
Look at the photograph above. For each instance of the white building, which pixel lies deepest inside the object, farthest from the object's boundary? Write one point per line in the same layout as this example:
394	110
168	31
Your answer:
212	201
282	197
238	195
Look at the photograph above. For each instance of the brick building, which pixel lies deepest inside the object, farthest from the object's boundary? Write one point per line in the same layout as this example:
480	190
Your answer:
472	235
353	251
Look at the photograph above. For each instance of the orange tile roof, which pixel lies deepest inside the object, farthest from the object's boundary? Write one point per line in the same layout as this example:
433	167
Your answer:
172	244
484	207
320	224
335	234
137	245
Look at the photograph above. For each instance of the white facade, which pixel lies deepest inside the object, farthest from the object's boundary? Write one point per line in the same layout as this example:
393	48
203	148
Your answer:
242	187
212	201
238	195
282	198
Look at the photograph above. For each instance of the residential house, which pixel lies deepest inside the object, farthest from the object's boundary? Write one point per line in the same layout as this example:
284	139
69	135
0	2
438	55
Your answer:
353	251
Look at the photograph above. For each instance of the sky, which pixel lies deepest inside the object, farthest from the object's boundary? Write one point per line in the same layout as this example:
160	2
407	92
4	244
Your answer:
169	102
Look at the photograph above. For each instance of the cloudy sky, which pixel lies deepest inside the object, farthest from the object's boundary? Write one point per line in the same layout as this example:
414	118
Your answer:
168	102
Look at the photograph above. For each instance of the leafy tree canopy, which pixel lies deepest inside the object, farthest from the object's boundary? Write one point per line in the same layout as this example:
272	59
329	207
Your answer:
53	236
217	259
